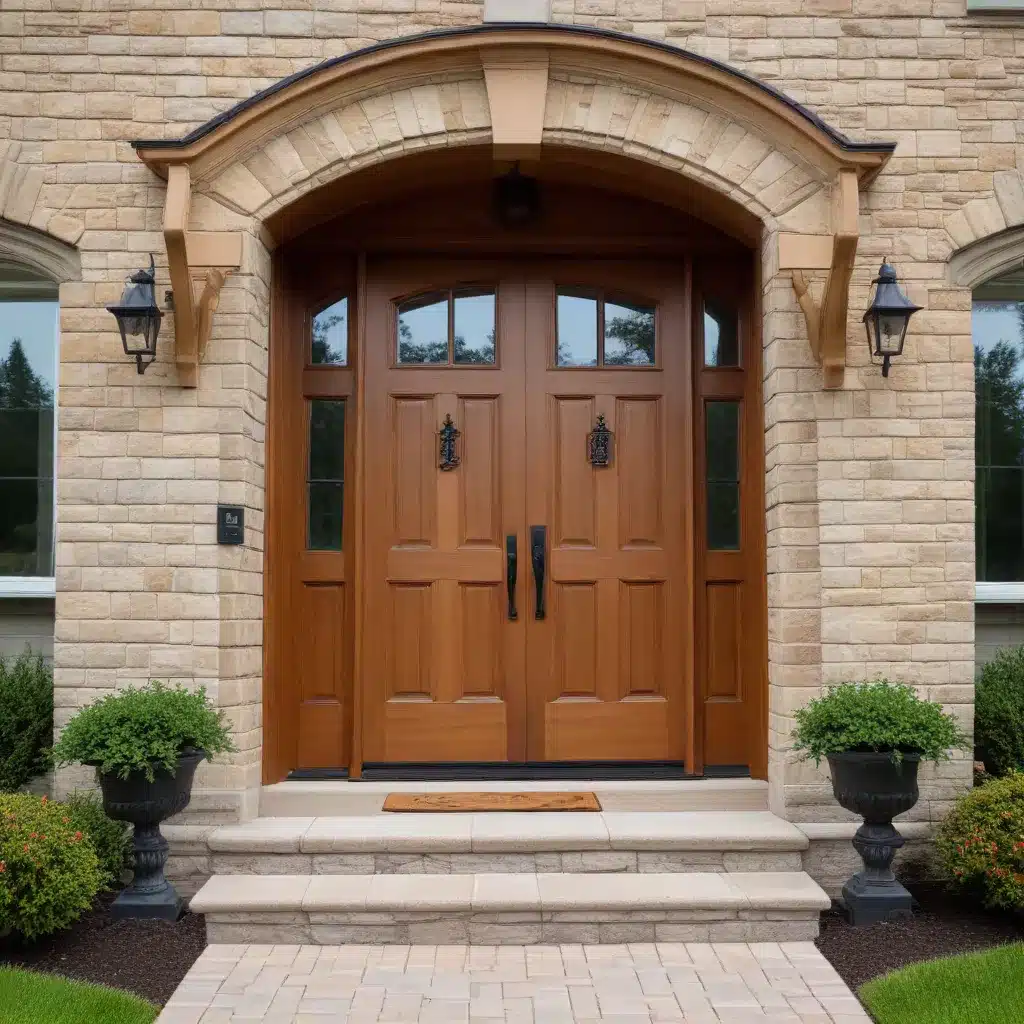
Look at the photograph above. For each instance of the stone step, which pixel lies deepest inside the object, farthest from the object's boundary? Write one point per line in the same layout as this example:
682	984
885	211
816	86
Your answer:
628	842
318	799
499	908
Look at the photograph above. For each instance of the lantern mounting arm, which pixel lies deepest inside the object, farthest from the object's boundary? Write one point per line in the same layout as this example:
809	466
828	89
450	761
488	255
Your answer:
191	255
826	321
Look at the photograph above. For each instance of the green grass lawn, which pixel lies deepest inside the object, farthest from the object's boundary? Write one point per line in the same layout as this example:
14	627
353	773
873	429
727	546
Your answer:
974	988
30	998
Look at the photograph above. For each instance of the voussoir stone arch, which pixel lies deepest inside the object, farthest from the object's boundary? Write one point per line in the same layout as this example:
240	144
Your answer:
987	234
44	254
600	90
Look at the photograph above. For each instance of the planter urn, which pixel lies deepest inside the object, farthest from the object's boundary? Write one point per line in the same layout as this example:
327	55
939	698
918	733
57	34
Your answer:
877	788
145	804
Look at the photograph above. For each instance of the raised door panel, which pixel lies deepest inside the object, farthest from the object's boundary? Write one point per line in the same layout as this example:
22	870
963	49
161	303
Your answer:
414	471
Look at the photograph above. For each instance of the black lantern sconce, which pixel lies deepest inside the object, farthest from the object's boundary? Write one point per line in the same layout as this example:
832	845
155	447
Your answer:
138	316
887	317
516	199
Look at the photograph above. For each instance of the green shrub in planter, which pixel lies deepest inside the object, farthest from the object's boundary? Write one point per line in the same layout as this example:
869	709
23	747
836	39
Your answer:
137	728
49	872
879	716
112	840
26	720
999	712
981	843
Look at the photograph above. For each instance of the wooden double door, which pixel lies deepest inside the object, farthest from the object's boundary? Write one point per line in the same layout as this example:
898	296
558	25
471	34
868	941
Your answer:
525	572
515	516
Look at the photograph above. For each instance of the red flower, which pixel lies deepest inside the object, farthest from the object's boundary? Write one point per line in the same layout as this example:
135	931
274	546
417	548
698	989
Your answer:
78	837
25	848
3	866
43	801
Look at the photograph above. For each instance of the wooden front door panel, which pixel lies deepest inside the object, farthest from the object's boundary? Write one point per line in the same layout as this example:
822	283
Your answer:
443	665
607	666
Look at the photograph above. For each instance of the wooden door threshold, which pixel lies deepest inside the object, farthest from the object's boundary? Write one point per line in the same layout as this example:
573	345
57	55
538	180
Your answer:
503	770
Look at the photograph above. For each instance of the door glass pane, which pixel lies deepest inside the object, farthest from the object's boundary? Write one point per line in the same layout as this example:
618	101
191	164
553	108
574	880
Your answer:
628	334
721	335
722	447
28	382
576	329
330	334
326	477
423	329
474	326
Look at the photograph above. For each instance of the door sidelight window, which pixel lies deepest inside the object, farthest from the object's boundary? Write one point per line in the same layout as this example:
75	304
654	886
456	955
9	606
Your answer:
325	479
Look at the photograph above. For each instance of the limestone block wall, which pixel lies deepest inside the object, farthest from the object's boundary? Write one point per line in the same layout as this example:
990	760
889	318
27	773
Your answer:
869	491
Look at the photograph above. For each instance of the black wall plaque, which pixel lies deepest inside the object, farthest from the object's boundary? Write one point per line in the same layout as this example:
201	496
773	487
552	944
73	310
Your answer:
230	524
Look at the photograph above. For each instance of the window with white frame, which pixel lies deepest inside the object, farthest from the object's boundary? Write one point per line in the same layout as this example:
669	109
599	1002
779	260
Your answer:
28	390
998	329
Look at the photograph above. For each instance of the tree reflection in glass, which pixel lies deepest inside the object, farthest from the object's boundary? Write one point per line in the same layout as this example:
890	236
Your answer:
330	335
628	334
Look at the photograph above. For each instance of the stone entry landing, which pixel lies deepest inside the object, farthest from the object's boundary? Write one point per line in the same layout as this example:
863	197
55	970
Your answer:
698	983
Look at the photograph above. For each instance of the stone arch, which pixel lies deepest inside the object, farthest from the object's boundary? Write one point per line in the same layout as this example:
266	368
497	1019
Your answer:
987	235
46	255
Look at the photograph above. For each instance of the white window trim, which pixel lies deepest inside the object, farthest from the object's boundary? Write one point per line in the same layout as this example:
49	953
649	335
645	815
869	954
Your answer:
995	5
999	593
28	586
43	586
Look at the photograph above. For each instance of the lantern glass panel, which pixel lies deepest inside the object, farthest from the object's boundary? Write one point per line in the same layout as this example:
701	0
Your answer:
891	329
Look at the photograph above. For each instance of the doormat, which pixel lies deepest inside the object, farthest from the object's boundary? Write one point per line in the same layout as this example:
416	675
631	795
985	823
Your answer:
435	802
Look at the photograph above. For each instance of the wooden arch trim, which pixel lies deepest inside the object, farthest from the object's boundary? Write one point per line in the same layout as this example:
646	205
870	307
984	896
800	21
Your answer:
583	50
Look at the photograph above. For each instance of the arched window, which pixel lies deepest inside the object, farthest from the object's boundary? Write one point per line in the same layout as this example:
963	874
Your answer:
28	393
998	334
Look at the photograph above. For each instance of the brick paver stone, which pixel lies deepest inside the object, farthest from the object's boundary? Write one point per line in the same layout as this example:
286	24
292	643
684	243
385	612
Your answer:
693	983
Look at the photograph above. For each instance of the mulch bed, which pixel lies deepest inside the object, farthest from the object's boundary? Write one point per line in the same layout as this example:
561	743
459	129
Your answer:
148	958
942	925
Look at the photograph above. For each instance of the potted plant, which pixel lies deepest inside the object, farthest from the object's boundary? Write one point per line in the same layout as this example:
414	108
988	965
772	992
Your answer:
875	736
145	744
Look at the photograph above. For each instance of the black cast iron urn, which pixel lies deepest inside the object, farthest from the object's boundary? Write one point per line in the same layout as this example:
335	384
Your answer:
878	788
145	804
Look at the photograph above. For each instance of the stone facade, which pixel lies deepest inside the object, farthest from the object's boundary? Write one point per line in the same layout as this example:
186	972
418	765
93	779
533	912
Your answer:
870	510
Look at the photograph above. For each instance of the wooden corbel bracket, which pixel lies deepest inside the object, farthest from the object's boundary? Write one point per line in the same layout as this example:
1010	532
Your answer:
198	262
826	322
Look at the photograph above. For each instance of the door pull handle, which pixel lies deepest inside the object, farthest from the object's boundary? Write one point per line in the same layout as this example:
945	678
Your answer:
511	573
538	556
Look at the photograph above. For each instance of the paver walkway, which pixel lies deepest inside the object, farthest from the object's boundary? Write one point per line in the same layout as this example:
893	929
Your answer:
698	983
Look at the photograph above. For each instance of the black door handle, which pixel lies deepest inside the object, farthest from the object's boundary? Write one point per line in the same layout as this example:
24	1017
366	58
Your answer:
538	555
511	572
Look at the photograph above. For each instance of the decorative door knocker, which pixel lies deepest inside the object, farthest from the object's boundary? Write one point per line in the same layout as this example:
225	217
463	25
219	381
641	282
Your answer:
599	443
448	436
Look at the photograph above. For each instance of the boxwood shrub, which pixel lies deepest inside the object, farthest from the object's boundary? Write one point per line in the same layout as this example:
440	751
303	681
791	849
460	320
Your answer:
26	720
981	843
879	716
139	728
999	712
112	840
49	872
